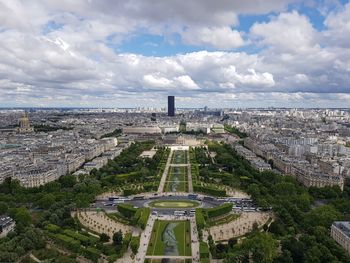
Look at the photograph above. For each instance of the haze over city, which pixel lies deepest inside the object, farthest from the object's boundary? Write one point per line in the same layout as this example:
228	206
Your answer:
134	53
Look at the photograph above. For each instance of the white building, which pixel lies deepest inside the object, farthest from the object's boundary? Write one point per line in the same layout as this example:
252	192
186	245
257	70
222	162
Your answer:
141	130
340	232
7	224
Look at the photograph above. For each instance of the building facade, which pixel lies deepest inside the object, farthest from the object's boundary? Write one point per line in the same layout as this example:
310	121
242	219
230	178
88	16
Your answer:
7	224
340	232
171	106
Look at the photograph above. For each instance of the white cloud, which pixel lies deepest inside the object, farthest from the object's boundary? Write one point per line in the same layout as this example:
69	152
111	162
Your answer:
186	82
338	24
288	32
77	62
157	82
217	37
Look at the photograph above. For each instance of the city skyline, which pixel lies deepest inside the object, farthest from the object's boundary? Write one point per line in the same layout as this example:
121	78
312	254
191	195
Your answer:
151	131
288	53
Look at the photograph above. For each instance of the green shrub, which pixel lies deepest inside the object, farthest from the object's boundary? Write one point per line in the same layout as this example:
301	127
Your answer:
127	210
68	242
200	221
134	244
53	228
92	253
76	235
219	210
131	191
143	215
203	250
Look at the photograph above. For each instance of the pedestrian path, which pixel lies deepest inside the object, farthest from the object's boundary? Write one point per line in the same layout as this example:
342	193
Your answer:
195	241
189	174
179	165
169	257
165	172
144	239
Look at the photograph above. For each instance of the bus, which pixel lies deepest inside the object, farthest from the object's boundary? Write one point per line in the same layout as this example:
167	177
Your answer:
179	213
112	198
192	196
138	198
209	198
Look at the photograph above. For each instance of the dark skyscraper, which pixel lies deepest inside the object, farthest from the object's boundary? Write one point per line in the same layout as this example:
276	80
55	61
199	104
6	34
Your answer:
171	106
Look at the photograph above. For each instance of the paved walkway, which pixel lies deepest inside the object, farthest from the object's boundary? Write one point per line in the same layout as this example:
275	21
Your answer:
240	226
144	239
195	240
179	165
165	172
189	174
34	258
100	223
169	257
126	257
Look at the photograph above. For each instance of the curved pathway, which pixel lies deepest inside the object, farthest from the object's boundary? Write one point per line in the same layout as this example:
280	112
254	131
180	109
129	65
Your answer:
240	226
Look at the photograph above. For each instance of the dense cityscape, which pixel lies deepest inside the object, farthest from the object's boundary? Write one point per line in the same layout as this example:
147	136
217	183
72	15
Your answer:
165	131
241	184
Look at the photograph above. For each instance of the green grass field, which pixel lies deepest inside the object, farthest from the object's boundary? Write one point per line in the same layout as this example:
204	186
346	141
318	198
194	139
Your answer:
181	186
179	157
170	238
177	172
174	204
176	180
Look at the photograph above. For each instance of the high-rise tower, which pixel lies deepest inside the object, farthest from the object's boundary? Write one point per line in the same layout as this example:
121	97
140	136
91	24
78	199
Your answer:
171	106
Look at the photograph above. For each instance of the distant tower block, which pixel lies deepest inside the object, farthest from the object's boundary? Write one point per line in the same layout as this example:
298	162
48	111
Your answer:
153	116
171	106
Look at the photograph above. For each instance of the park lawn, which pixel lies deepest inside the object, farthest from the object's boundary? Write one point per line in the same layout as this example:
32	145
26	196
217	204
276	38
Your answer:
155	245
179	172
179	157
174	204
182	234
182	186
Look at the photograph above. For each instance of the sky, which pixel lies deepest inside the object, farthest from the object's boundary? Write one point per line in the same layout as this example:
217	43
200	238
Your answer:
134	53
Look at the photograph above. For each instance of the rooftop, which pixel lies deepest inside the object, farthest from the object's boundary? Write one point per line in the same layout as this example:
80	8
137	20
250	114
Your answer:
148	154
344	226
4	220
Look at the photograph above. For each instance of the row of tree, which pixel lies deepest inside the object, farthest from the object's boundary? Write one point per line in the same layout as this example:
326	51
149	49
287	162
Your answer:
301	230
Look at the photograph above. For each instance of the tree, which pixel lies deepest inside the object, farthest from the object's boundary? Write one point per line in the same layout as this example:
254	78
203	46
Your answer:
118	239
104	237
22	217
254	191
232	242
3	208
46	201
10	186
286	257
221	249
134	244
262	247
68	181
322	216
277	227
